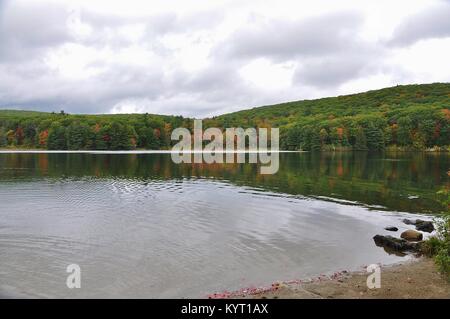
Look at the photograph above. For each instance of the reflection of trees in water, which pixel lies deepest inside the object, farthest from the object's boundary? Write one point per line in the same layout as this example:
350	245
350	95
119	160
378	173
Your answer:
373	179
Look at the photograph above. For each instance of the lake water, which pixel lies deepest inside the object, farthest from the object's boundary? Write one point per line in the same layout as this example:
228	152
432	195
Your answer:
139	225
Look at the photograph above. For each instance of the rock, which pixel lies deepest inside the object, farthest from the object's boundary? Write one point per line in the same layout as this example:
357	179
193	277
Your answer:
409	221
424	225
412	235
395	244
391	228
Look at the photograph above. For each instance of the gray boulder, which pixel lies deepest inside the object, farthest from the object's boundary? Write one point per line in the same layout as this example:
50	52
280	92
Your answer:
422	225
395	244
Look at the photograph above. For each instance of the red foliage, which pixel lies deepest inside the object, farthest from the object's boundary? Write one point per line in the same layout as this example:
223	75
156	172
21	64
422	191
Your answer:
157	133
43	136
437	130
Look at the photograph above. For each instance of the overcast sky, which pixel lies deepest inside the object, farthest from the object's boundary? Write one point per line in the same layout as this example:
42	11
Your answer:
201	58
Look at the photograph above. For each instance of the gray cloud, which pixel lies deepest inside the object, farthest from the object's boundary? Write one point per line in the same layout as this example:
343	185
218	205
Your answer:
322	35
27	30
327	49
48	91
331	71
431	23
326	52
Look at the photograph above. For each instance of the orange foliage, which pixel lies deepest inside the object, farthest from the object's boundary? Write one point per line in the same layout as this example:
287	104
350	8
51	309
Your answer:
43	162
97	128
340	132
446	113
43	136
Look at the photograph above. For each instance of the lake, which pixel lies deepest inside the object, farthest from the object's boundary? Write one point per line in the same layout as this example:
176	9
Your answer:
139	225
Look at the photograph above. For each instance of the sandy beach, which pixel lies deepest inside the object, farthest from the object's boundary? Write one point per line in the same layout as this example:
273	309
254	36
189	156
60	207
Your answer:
418	278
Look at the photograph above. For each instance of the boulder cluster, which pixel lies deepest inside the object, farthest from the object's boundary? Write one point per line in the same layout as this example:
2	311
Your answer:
409	241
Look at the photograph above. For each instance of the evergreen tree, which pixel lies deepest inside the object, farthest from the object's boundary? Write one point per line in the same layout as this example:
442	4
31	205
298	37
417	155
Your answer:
77	136
323	136
57	137
427	129
305	139
375	138
315	144
3	139
293	138
120	138
404	130
103	138
146	138
360	140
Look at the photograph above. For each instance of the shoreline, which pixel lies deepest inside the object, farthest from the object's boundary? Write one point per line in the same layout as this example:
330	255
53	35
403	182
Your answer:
415	278
142	151
41	151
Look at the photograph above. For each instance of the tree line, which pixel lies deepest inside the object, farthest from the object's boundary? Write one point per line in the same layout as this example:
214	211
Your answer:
410	117
86	132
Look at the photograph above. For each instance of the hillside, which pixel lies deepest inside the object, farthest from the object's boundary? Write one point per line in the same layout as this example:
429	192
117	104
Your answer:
62	131
409	116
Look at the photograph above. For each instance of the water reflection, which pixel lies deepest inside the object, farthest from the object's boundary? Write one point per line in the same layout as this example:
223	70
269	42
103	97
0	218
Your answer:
388	180
140	226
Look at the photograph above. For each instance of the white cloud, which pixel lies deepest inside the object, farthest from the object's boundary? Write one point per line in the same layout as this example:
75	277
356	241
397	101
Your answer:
198	58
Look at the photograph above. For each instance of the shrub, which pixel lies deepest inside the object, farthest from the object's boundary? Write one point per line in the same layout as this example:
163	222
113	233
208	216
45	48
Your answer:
438	246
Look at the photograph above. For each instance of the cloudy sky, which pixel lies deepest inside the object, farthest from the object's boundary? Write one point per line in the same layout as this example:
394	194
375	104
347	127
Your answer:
201	58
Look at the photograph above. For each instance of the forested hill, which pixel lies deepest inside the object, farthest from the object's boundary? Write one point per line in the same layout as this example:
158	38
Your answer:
61	131
414	116
410	116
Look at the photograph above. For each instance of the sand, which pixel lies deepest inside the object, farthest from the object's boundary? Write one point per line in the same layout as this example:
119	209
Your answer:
418	278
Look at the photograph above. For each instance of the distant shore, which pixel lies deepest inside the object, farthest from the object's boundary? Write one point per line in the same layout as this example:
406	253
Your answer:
146	151
417	278
137	151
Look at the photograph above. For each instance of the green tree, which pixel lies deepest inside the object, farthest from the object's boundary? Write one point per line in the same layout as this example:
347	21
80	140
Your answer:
360	140
120	137
316	143
146	138
293	138
427	130
77	136
30	131
323	136
57	137
102	137
3	138
11	137
404	129
375	138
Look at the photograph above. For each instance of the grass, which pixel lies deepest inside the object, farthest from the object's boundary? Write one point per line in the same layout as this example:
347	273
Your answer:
438	246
